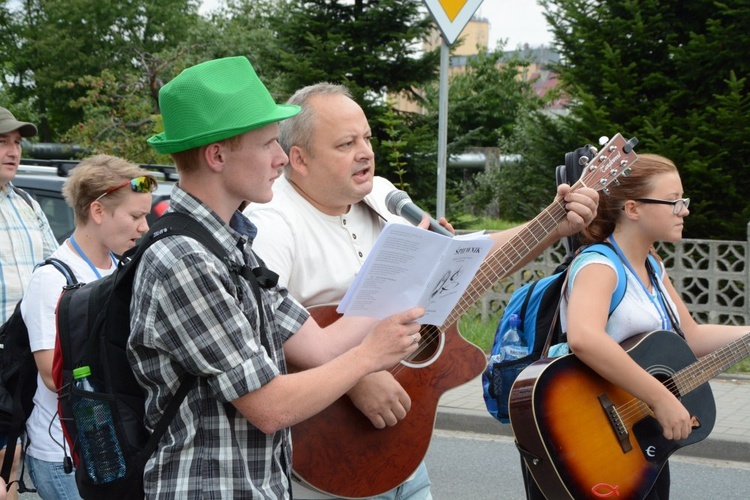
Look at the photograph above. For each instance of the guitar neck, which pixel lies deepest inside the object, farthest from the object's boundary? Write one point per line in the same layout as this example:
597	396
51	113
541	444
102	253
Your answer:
606	165
500	262
710	365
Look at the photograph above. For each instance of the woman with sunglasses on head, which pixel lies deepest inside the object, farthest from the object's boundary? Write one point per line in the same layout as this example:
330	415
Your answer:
646	207
110	198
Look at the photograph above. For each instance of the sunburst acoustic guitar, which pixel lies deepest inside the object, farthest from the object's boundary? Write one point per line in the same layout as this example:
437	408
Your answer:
583	437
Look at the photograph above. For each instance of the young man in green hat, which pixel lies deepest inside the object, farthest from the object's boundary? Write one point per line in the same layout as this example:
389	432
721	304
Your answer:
231	438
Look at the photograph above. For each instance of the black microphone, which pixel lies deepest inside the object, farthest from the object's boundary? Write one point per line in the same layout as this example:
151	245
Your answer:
398	202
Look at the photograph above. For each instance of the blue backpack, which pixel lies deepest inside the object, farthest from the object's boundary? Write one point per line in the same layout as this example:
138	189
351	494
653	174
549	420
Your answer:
537	305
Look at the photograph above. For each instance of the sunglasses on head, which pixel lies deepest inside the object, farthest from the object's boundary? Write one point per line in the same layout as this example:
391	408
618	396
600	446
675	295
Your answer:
142	184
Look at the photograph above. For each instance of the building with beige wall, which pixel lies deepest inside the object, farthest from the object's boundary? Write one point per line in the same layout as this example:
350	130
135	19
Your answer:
475	37
475	34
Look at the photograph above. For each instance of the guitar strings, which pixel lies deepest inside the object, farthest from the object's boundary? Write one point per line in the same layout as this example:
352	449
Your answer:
494	267
499	263
691	377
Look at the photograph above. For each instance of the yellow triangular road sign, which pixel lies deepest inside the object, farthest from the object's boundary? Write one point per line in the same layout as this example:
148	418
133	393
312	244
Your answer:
452	16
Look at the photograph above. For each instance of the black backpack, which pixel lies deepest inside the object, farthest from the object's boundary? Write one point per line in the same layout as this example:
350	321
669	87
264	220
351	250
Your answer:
18	376
93	326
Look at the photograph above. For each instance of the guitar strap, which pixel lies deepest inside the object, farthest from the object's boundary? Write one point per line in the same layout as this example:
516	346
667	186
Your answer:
667	307
555	318
369	204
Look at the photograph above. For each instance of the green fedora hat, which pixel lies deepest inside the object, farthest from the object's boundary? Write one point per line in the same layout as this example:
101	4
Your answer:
213	101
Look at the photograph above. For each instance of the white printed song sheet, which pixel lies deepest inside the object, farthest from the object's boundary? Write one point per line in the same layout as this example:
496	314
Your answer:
409	267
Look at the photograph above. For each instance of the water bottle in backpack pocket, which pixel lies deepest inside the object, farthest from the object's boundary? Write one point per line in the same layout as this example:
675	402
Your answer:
512	345
502	378
101	456
510	356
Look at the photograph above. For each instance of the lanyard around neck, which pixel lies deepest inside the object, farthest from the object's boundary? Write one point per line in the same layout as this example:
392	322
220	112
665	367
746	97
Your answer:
86	258
655	297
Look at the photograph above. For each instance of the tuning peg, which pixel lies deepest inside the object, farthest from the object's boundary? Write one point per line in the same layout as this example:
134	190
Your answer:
630	145
583	160
603	140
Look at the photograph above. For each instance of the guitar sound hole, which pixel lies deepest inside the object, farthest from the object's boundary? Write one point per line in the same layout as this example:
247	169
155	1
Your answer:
664	375
428	344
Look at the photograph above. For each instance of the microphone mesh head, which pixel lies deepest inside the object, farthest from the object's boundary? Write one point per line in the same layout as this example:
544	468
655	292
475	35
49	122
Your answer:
394	201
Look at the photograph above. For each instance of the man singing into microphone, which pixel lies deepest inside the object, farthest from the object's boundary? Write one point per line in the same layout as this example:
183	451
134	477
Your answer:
327	211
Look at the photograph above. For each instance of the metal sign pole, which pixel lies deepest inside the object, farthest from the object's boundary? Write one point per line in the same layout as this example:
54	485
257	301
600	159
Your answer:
451	17
442	126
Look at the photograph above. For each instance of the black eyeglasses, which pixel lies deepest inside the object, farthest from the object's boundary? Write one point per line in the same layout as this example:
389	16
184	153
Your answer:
142	184
677	205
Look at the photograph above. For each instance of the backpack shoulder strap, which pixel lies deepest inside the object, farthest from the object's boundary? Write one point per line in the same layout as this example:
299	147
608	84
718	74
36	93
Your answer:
23	194
655	266
64	269
181	223
172	223
608	251
169	224
526	300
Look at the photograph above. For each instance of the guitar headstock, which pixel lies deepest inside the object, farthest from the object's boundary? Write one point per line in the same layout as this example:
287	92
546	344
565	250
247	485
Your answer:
606	165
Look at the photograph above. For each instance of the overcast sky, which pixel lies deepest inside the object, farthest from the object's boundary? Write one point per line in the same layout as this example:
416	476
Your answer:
517	21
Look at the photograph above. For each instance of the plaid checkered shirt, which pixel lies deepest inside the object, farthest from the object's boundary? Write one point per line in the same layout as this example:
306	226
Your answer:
187	316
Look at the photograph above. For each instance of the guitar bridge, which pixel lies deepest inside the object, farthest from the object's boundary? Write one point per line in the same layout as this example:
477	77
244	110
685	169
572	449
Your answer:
623	436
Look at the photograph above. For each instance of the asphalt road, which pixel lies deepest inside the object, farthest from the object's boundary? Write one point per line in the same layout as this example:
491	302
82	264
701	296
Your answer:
469	466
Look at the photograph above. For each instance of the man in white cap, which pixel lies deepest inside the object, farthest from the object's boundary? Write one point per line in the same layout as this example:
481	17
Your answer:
27	236
231	437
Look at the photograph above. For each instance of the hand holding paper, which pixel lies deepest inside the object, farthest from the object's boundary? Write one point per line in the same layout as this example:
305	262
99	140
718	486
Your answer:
410	267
